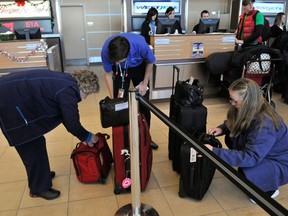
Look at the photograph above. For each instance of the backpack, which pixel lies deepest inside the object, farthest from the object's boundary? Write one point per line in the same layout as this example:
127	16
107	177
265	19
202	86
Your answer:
266	29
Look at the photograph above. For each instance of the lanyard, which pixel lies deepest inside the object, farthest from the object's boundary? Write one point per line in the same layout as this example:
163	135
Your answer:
123	73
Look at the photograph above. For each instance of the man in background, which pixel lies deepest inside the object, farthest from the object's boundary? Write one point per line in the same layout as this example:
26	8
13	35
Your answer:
204	15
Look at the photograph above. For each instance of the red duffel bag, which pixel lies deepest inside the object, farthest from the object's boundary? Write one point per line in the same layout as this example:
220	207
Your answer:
92	164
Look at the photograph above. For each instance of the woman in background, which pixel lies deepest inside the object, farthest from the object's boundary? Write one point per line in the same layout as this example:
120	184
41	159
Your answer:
279	27
151	25
170	13
278	30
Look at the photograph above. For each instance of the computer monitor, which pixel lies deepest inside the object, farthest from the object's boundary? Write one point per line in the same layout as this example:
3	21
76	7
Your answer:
168	25
208	25
28	33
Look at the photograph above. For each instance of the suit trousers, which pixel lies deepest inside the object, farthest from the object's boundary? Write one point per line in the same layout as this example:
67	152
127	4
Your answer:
35	159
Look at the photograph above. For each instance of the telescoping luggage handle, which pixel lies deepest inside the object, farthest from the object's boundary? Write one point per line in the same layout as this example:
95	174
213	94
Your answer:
177	69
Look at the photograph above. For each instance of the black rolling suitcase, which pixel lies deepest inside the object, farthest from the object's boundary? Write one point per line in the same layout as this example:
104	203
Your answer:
196	172
192	118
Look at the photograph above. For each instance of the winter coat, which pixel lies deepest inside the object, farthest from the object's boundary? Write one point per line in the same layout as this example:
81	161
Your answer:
261	153
34	102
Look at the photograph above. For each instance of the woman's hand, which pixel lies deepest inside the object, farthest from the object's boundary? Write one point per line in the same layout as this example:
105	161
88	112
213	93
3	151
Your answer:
93	140
209	147
215	131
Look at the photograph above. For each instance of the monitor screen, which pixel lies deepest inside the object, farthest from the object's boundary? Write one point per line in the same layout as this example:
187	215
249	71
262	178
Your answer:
208	25
168	25
137	23
28	33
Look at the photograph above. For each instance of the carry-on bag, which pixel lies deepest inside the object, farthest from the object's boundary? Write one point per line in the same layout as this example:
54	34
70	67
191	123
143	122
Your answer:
92	164
189	94
114	112
121	154
197	171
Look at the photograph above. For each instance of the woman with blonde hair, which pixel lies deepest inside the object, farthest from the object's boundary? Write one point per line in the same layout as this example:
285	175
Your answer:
256	136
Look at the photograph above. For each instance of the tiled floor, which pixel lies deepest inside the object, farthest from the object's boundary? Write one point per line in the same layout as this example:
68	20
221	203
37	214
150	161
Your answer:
223	197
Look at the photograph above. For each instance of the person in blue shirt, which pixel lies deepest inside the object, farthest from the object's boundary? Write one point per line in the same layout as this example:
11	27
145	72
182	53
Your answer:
151	24
34	102
256	136
127	57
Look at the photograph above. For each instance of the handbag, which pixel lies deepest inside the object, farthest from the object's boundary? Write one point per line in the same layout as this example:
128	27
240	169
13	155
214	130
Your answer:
92	164
189	95
114	112
259	67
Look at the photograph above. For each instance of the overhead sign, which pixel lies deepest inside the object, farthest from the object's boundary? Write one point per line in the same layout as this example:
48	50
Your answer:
270	7
142	7
38	10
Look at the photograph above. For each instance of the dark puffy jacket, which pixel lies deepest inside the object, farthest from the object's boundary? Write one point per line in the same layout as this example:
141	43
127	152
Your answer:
35	102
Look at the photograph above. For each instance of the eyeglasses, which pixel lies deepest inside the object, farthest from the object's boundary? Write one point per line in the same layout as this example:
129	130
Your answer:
232	101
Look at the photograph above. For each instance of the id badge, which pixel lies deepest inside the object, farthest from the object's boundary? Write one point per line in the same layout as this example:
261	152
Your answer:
121	93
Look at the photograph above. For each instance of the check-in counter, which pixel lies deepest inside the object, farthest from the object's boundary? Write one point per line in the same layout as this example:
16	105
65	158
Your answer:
19	55
188	52
27	54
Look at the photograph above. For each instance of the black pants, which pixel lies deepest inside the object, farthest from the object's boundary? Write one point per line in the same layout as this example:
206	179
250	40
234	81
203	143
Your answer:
136	75
35	158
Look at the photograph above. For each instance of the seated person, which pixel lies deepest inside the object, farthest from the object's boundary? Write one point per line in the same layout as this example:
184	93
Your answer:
151	25
204	14
170	13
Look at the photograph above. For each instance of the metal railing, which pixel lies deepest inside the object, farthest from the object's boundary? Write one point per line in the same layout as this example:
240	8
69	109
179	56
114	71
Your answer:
136	208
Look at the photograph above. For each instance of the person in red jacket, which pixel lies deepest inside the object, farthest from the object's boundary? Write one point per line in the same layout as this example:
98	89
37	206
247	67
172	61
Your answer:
36	102
250	26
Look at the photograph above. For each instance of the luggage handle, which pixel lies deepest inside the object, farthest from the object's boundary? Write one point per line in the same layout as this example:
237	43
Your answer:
177	69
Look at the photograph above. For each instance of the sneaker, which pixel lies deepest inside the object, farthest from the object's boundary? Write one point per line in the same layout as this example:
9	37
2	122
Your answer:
48	195
272	194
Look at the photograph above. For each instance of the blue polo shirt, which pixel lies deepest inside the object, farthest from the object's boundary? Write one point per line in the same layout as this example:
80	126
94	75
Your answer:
139	52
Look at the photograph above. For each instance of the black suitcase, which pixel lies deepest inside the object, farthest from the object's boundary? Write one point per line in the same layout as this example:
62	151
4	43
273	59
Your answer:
196	173
193	120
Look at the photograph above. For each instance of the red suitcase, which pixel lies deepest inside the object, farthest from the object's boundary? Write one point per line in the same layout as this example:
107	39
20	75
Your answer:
92	164
122	155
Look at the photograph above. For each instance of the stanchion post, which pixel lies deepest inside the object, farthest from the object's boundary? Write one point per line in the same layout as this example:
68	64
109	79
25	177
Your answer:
134	153
136	208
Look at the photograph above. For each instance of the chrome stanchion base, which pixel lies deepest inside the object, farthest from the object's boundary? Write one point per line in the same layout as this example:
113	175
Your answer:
146	210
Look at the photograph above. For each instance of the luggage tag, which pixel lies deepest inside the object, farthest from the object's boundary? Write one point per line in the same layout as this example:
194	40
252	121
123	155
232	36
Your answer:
121	93
193	155
126	181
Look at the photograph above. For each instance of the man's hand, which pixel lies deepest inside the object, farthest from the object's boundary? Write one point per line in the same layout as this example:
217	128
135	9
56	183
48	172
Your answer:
142	88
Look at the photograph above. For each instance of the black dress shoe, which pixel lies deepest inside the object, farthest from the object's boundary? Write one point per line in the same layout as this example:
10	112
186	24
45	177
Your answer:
52	174
154	145
48	195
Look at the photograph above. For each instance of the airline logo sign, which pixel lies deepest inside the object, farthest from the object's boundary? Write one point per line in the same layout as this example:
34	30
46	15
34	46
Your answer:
143	7
270	8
